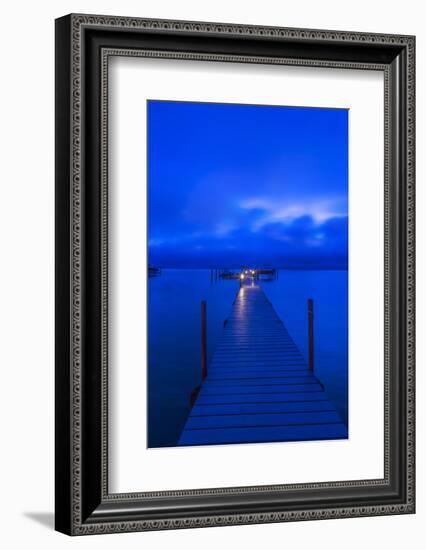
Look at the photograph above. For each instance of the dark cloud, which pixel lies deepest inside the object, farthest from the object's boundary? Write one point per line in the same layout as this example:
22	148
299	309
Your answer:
302	243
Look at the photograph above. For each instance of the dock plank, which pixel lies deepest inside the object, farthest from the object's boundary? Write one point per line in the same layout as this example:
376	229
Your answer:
261	398
258	420
261	381
226	389
260	408
264	434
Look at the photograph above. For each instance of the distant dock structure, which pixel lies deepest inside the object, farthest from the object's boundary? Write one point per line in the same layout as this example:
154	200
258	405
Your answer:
258	386
154	271
265	273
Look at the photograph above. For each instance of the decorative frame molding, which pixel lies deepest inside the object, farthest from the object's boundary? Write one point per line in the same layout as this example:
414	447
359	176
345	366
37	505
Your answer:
84	44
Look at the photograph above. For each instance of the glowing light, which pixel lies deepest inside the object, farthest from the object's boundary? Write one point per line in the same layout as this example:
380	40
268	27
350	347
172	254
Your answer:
242	276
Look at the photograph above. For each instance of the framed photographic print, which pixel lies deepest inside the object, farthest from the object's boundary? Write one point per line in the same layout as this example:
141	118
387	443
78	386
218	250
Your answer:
234	274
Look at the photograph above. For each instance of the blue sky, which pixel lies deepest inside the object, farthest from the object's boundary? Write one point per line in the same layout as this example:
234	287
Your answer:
232	185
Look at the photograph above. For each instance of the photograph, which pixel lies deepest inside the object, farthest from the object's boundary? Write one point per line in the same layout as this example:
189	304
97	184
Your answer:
247	287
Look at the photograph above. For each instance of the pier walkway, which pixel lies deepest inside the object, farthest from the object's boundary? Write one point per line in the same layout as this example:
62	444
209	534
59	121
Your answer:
258	386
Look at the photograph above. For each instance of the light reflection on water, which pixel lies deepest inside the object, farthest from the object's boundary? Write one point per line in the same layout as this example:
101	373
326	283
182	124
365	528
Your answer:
174	355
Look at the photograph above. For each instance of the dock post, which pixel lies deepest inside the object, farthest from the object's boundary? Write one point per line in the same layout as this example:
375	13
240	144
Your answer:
311	333
203	339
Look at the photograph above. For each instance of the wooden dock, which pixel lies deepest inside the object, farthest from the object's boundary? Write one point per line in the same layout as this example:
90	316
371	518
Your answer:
258	386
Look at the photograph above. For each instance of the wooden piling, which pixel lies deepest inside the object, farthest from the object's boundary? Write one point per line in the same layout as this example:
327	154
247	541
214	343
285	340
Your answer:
203	339
311	333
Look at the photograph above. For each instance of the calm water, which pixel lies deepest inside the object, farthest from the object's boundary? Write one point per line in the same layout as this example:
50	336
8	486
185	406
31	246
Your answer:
174	336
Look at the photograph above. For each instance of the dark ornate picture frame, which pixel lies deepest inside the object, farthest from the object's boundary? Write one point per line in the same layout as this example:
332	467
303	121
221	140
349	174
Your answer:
84	44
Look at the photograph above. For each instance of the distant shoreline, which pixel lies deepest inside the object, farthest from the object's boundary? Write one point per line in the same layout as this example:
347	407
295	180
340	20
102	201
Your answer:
191	268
